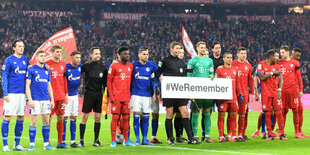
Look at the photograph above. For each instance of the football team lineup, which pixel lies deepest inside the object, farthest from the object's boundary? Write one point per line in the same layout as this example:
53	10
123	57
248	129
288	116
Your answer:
51	87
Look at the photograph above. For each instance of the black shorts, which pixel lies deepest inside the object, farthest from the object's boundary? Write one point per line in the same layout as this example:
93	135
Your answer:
175	103
92	101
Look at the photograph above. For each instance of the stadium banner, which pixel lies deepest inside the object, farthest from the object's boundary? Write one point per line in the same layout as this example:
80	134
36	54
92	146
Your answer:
295	2
43	14
192	1
190	16
122	16
188	44
196	88
129	1
247	1
65	38
267	18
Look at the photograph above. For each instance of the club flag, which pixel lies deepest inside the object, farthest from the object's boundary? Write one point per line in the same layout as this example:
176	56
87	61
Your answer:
65	38
188	44
105	108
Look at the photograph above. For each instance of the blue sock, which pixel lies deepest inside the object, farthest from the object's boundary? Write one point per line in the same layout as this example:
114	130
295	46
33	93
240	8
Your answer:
32	134
46	133
272	119
18	131
73	129
145	125
203	125
263	122
154	127
136	125
64	131
5	131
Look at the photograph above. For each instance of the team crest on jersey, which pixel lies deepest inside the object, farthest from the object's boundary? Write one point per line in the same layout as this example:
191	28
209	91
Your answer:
3	67
52	68
234	72
181	70
69	70
207	63
62	68
120	70
101	75
259	66
264	106
128	69
14	62
137	67
110	70
292	65
225	73
24	62
36	71
79	69
197	64
189	67
273	69
212	69
147	69
246	68
46	72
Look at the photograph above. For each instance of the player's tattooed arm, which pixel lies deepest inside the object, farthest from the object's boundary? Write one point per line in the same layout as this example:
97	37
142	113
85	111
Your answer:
263	76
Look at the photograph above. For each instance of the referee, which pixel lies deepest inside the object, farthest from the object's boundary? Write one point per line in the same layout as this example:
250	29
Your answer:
173	66
95	74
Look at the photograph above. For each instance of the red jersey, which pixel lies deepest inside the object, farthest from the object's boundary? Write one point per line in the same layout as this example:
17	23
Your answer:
119	81
59	82
269	87
245	78
289	73
228	73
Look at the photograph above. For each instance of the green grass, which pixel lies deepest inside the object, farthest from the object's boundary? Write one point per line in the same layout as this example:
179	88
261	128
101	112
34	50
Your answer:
254	146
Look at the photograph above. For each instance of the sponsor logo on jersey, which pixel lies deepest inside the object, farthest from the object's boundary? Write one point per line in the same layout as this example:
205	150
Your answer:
137	76
17	71
40	80
71	78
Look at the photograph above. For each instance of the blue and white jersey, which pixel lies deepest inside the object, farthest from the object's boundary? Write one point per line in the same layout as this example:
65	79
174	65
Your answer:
14	75
39	77
144	82
73	75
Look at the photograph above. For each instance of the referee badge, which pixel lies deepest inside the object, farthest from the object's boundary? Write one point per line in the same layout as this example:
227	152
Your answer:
160	63
101	75
181	70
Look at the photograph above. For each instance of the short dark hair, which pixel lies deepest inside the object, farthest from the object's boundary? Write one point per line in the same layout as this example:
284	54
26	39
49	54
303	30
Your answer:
270	53
214	43
143	48
121	49
173	44
296	49
54	47
93	48
39	52
226	53
74	53
241	49
14	43
285	47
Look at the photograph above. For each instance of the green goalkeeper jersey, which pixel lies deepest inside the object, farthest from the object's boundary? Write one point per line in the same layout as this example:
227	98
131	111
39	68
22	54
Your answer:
200	67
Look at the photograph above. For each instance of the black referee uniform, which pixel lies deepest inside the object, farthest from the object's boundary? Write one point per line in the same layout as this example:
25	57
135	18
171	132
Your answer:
95	81
217	61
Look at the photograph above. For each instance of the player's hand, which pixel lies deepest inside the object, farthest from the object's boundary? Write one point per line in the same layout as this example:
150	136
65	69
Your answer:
256	96
301	94
7	99
52	104
211	77
29	66
31	104
279	95
252	97
46	66
154	98
240	99
277	72
67	99
161	78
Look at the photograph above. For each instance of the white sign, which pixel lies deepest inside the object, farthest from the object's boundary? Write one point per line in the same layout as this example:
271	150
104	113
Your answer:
196	88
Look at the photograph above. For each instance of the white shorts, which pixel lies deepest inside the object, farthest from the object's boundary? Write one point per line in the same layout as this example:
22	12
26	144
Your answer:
155	106
141	104
16	106
72	108
41	107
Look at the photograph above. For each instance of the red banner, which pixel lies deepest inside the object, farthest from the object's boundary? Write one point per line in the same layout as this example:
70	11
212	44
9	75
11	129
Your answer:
190	16
250	18
122	16
43	14
295	2
248	1
65	38
192	1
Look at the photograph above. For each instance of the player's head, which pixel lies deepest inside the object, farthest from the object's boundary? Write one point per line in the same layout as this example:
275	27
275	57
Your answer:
143	54
181	54
296	53
202	48
216	48
40	57
56	51
241	53
123	53
75	58
175	48
277	56
285	51
18	47
95	53
227	57
271	56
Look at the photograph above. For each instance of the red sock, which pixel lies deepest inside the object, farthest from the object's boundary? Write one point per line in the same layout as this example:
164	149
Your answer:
274	121
301	116
113	126
296	120
240	125
245	124
268	121
233	125
220	124
228	125
60	128
125	126
279	115
285	111
259	122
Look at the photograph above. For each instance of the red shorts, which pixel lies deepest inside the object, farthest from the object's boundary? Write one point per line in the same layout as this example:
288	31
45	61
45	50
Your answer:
59	107
120	107
243	108
290	100
227	107
268	102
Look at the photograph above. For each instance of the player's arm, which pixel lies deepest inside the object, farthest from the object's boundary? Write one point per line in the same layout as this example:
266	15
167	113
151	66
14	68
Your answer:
190	68
28	84
50	94
66	86
211	74
110	79
256	80
154	83
251	82
161	68
5	79
299	81
280	86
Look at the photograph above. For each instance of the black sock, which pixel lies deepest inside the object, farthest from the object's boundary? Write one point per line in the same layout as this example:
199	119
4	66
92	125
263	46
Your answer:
187	127
178	126
96	130
169	128
82	131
